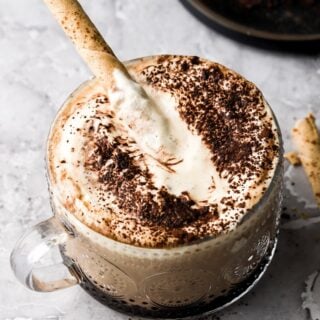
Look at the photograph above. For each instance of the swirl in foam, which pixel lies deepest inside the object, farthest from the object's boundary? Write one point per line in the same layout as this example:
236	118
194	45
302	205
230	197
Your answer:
223	146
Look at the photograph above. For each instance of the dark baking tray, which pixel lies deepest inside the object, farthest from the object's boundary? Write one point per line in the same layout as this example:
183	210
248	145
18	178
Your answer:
289	22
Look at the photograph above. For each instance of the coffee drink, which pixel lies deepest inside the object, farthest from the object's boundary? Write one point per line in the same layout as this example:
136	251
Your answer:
186	231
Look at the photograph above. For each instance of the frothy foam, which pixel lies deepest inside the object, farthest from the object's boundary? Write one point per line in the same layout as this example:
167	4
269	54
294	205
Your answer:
216	125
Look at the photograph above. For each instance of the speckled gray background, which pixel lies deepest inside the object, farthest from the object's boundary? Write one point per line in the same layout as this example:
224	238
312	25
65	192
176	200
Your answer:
39	68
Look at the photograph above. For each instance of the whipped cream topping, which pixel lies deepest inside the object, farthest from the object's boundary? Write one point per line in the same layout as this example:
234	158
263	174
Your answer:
141	115
218	147
158	130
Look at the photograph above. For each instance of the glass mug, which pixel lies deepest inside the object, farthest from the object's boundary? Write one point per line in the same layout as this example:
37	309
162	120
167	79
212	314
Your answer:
185	281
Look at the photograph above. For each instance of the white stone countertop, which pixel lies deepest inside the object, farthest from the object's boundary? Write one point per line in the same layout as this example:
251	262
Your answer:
39	68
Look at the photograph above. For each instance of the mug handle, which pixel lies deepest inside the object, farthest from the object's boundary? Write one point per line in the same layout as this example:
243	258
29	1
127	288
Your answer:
27	258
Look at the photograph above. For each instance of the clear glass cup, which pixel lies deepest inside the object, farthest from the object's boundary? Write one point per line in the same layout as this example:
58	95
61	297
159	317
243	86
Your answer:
179	282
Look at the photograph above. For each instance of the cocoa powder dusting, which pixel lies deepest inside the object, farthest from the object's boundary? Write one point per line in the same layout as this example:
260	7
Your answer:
227	112
119	174
223	108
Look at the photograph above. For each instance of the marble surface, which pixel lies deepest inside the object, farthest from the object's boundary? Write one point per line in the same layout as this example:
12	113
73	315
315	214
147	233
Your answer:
39	68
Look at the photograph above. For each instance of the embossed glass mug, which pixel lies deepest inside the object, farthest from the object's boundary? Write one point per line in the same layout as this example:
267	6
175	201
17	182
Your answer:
184	281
